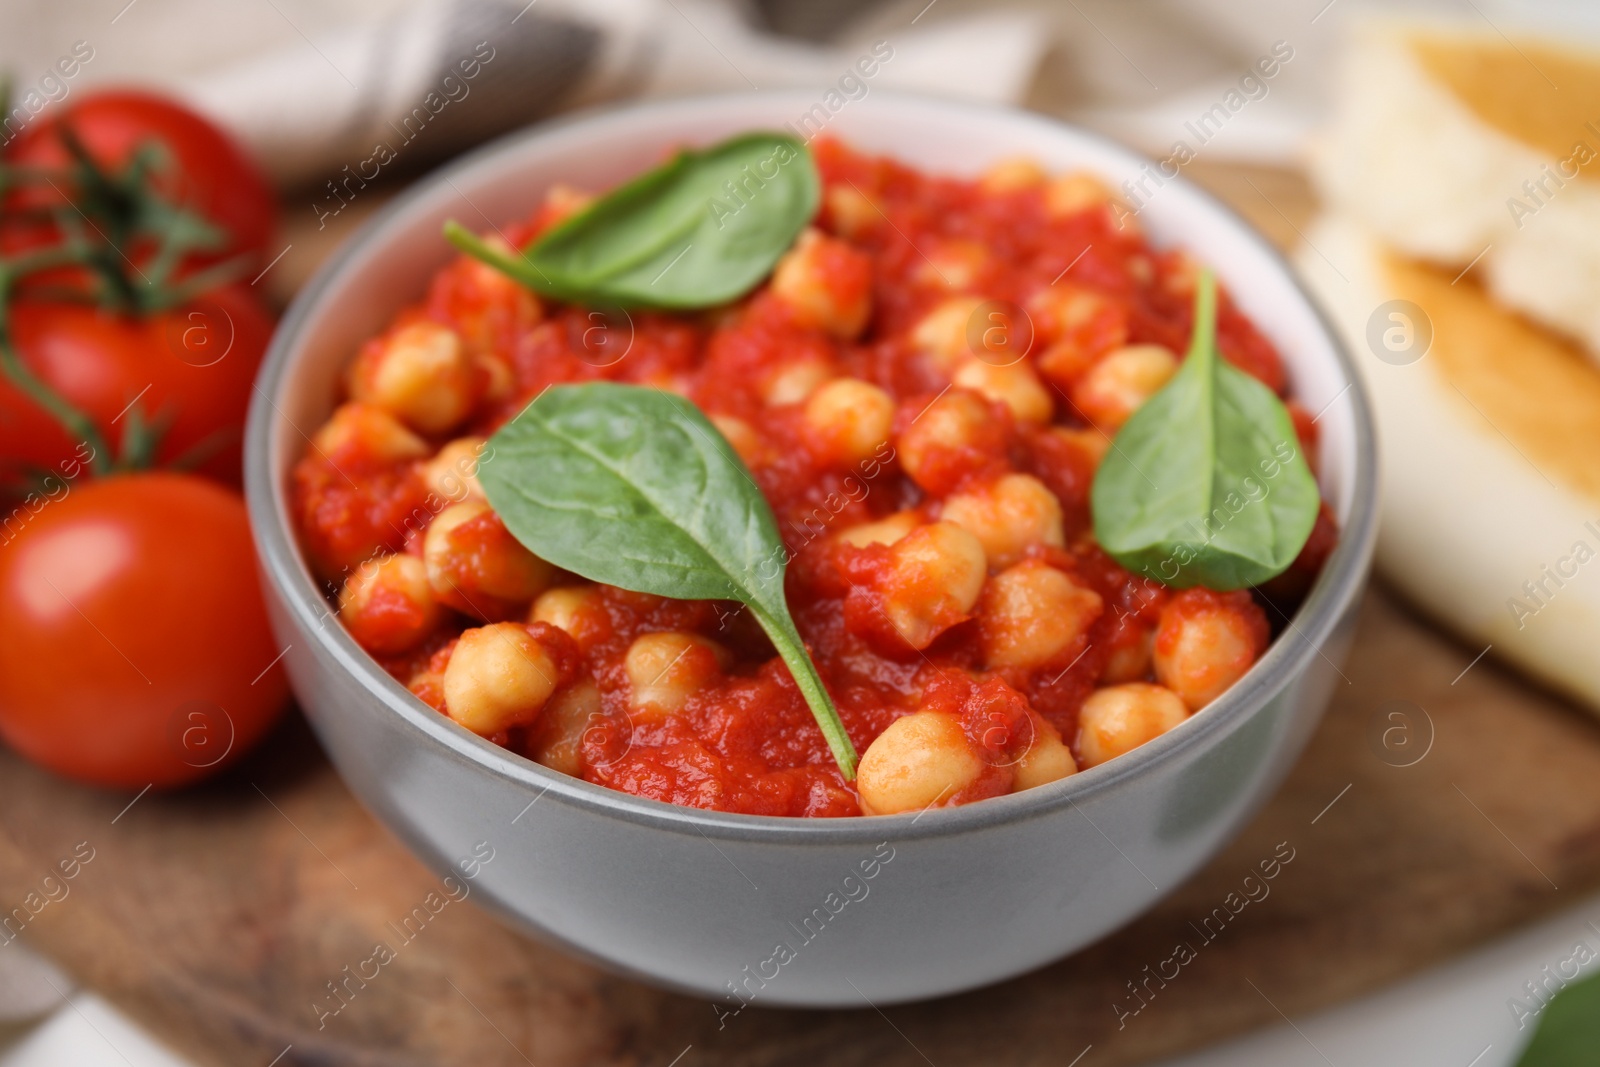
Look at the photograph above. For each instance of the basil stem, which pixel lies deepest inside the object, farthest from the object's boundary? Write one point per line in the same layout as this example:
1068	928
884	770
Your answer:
700	230
634	487
1206	484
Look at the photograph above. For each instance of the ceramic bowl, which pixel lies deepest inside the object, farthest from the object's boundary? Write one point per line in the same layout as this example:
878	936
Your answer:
777	911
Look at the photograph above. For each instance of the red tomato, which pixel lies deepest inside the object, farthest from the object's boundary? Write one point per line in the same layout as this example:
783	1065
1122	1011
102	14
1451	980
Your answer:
208	172
193	364
134	647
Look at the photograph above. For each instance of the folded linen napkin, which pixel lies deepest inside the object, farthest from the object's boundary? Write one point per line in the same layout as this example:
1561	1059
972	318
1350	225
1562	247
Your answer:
30	985
439	76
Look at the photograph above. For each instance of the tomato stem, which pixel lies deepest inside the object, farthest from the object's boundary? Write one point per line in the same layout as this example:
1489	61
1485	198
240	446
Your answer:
108	215
72	419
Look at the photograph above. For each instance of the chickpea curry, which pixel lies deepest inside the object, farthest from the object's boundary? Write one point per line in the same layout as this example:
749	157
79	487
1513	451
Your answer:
923	387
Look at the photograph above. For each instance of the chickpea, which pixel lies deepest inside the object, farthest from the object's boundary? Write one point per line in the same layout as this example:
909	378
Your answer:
1130	662
420	373
666	669
388	606
1091	443
1012	175
827	283
1064	362
675	382
499	676
427	685
850	419
957	422
567	716
1202	650
1068	194
920	760
1048	759
370	433
563	200
1114	388
500	287
745	439
1059	309
1008	516
1182	275
577	609
1031	613
954	265
852	211
941	334
476	566
452	474
499	378
1120	718
885	531
792	383
936	575
1015	385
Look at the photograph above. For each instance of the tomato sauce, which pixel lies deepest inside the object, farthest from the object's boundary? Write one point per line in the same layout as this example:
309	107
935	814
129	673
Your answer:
745	741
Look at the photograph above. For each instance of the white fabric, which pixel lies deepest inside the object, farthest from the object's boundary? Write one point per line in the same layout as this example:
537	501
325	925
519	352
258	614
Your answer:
311	87
30	985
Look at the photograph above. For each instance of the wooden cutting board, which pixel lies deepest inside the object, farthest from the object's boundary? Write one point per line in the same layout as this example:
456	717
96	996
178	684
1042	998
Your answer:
217	916
1443	801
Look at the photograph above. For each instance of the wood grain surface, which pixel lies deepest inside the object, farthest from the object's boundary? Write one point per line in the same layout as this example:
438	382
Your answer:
218	916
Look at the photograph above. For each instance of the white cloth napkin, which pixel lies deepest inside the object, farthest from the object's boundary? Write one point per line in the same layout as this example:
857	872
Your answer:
433	78
30	985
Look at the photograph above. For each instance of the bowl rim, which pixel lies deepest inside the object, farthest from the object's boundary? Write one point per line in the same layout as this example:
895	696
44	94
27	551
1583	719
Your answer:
284	566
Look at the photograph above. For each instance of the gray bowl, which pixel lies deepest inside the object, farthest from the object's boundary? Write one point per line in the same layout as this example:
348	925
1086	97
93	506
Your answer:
797	911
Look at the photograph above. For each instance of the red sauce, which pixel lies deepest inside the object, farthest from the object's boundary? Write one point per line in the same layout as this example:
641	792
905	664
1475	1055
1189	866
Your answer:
746	741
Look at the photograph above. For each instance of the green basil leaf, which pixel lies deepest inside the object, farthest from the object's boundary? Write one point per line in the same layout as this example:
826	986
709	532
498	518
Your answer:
1569	1029
700	230
1206	483
634	487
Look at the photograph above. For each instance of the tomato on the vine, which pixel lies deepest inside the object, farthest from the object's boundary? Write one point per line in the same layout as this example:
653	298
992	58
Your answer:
134	646
208	173
189	370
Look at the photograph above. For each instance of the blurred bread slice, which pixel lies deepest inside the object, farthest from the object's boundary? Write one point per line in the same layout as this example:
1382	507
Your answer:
1452	144
1489	448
